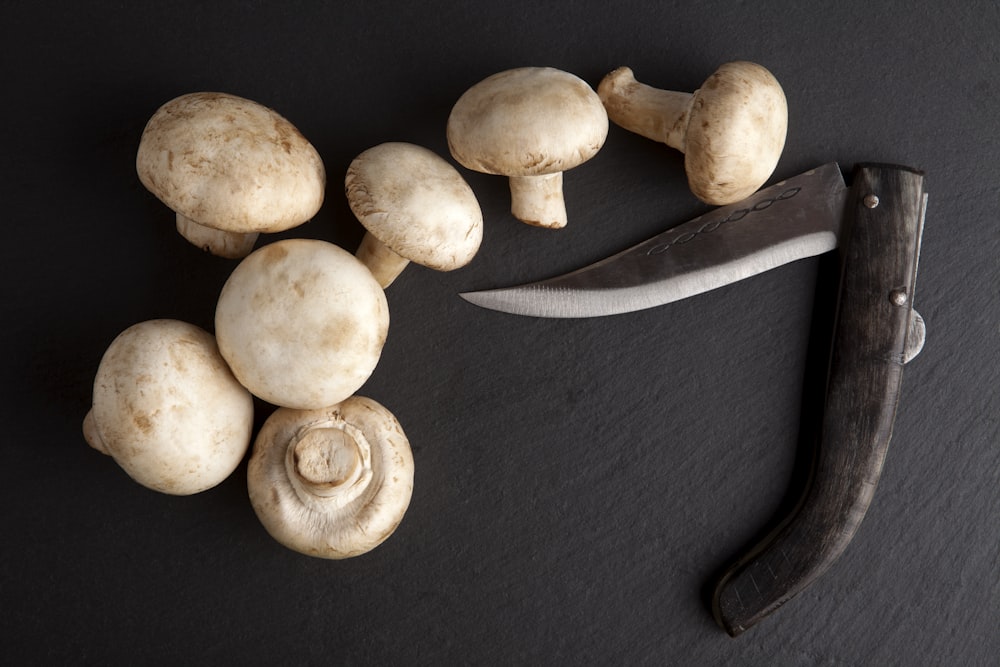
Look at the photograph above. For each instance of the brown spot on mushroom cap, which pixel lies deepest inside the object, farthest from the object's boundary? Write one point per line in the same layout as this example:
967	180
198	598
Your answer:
527	121
302	323
230	163
415	203
167	408
736	132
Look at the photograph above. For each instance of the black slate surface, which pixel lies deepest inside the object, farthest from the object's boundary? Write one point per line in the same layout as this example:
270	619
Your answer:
578	483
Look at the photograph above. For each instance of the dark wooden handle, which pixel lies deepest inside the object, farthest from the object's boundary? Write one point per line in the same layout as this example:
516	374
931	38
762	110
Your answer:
880	245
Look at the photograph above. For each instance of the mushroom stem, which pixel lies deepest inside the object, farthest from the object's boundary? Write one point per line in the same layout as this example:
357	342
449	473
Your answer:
92	435
232	245
384	264
660	115
538	200
329	463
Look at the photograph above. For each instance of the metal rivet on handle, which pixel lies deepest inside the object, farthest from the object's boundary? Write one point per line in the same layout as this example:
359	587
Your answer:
898	297
871	201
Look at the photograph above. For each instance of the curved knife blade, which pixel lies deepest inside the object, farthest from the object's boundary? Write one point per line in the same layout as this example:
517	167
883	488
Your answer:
791	220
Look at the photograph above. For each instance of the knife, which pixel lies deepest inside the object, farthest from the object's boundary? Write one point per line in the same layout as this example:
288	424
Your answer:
876	226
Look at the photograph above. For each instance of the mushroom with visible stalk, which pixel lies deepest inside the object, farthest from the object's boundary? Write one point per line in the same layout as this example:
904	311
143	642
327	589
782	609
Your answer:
731	130
302	323
167	409
531	124
333	482
415	207
230	168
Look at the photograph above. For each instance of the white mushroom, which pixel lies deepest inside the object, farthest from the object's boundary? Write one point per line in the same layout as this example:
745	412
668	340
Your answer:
334	482
531	124
167	408
731	131
415	207
230	168
302	323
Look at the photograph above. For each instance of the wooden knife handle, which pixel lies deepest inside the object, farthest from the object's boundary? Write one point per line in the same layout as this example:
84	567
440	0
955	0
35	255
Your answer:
880	244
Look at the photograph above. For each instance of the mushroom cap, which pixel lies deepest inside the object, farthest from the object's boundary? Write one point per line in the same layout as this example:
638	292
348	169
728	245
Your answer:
527	121
230	163
168	410
302	323
364	516
416	204
736	132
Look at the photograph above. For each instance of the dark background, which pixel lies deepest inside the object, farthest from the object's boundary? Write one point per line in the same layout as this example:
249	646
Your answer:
578	483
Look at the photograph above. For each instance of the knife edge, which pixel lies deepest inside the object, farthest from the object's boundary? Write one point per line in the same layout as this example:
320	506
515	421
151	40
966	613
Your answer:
589	298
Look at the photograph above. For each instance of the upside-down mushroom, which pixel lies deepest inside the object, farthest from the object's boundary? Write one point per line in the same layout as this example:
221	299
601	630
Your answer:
302	323
167	409
530	124
731	130
333	482
229	168
415	207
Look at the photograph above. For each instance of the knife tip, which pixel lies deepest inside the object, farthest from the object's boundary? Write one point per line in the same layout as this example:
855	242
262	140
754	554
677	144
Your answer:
501	300
476	298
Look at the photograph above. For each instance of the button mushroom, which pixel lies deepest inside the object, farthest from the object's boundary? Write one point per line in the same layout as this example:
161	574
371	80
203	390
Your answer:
415	207
531	124
334	482
167	409
731	131
230	168
302	323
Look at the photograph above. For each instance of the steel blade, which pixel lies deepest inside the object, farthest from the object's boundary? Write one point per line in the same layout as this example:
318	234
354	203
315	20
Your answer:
791	220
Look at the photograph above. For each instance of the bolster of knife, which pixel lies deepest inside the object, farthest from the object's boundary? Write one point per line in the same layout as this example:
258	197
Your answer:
879	250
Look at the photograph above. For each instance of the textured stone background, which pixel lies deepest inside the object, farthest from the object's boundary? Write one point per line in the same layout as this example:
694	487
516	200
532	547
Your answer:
578	483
